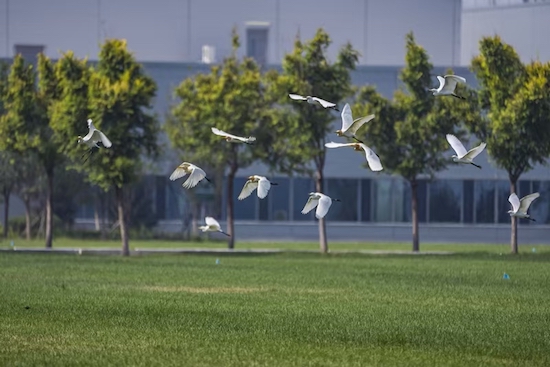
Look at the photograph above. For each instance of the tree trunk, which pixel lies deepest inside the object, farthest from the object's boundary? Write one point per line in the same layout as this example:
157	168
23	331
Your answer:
514	232
122	220
49	209
6	195
323	243
414	206
230	221
27	203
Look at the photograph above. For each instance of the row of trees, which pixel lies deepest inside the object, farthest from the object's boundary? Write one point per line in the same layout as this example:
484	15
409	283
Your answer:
40	120
509	111
45	109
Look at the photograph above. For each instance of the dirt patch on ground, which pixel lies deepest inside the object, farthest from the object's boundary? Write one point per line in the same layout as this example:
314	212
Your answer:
204	290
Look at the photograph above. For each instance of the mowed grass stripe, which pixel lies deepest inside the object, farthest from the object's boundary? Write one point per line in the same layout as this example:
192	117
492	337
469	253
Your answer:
279	310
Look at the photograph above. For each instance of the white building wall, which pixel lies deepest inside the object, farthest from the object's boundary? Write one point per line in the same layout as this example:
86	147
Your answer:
176	30
525	26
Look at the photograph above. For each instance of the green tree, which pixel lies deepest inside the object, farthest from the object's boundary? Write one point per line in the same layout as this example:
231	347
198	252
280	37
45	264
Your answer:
514	111
7	183
24	128
298	130
120	97
230	98
408	132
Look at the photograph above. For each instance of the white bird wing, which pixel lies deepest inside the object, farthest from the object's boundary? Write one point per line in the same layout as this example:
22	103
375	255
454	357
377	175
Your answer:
99	136
357	123
324	103
338	145
324	205
248	188
310	204
263	187
372	159
197	174
347	118
526	201
179	172
457	146
297	97
212	222
514	200
223	133
451	81
474	152
91	130
441	82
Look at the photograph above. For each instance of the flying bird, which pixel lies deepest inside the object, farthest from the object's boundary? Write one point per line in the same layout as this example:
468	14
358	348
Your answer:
233	138
195	173
314	100
91	139
256	182
372	159
447	86
321	201
349	125
212	225
520	207
463	156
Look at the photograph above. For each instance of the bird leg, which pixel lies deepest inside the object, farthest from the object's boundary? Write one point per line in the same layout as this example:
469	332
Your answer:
274	183
335	108
228	235
531	219
88	154
457	96
358	140
478	166
207	179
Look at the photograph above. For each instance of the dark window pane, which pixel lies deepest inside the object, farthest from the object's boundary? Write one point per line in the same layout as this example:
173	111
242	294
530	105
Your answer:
346	191
244	209
365	200
540	208
445	199
468	201
160	197
256	44
279	199
406	212
264	207
503	193
302	188
422	201
484	193
381	203
398	193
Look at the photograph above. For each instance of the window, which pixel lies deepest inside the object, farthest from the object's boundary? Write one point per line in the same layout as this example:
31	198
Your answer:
468	201
484	194
279	197
29	52
256	41
381	201
445	201
540	208
346	191
365	200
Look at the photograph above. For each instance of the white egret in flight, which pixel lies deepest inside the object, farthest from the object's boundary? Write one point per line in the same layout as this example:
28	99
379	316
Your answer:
233	138
321	201
256	182
314	100
196	174
372	159
447	86
212	225
91	139
520	207
463	156
349	125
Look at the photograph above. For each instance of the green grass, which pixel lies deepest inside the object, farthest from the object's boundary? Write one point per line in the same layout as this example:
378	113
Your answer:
278	310
312	246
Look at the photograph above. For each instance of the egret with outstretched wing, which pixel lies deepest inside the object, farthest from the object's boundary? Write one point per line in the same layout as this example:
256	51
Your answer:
195	173
463	156
520	207
233	138
212	225
372	159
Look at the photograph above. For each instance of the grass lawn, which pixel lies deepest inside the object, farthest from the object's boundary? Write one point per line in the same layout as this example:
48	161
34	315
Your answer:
312	246
277	310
